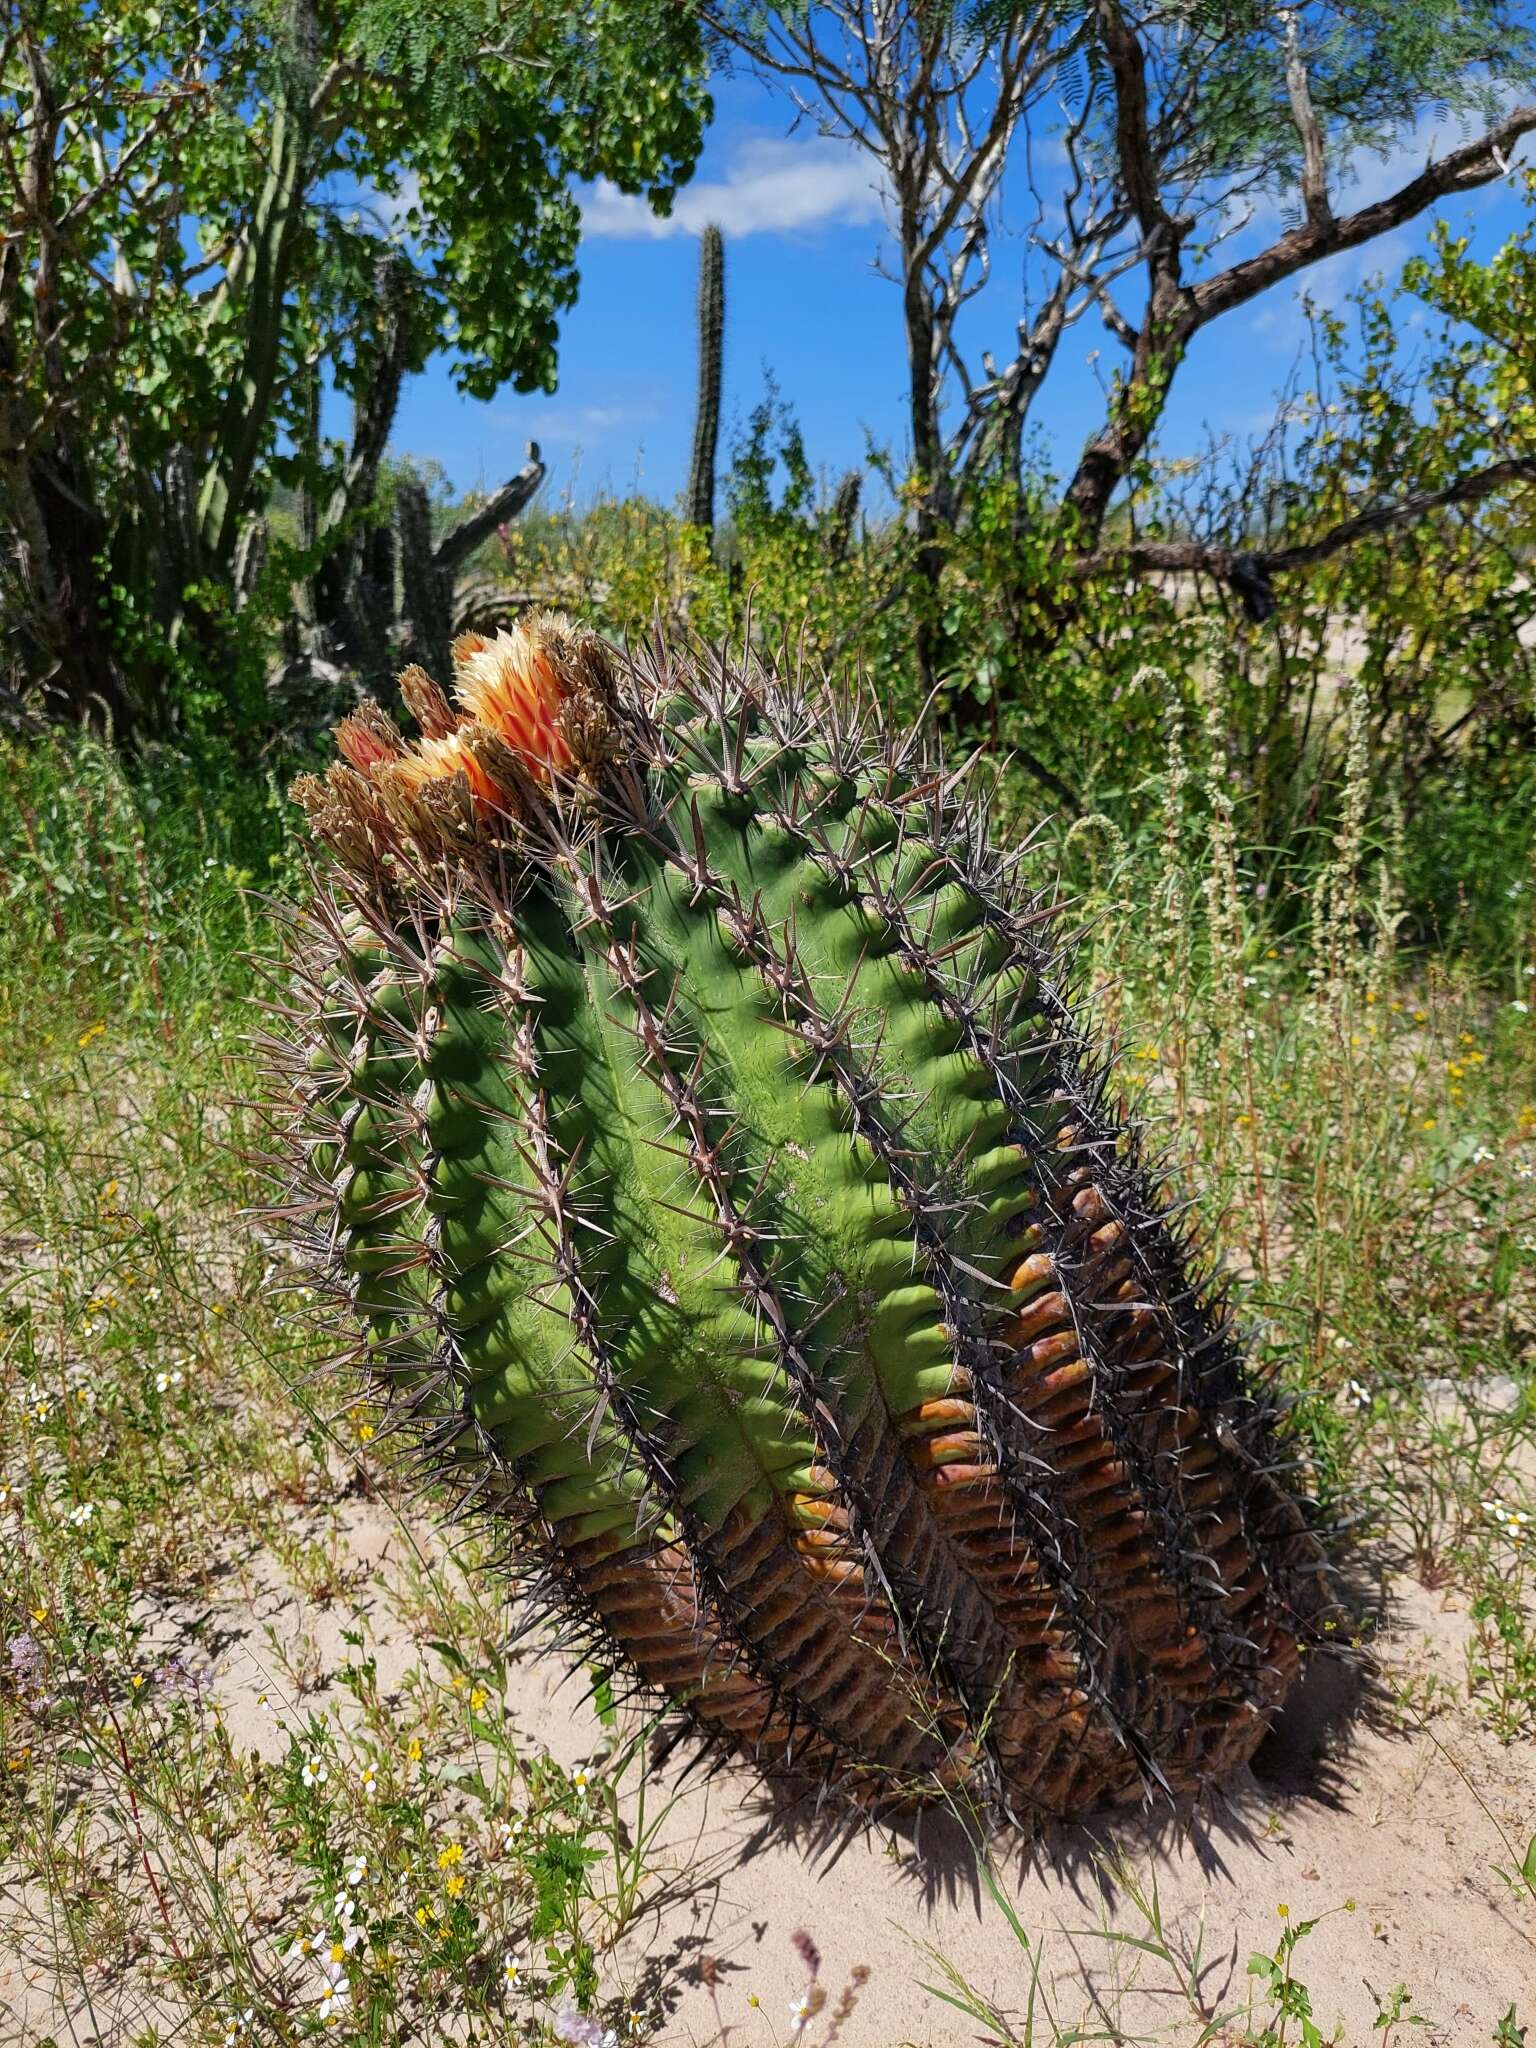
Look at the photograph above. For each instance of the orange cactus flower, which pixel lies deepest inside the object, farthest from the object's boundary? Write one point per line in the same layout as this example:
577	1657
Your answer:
440	759
511	684
364	747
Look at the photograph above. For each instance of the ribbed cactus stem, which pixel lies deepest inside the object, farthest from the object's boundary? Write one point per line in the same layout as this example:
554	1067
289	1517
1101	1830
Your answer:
696	1127
426	593
700	504
843	516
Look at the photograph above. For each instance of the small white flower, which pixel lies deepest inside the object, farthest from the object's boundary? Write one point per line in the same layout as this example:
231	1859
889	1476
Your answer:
357	1870
344	1906
314	1771
1482	1156
799	2015
334	1997
368	1781
511	1832
79	1516
7	1493
164	1381
304	1946
1521	1009
338	1950
237	2026
512	1973
1359	1393
579	1780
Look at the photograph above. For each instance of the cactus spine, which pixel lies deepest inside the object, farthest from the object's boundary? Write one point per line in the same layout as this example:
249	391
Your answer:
706	428
693	1124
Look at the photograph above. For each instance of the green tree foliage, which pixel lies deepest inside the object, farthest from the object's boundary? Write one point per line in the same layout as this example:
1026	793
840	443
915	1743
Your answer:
1157	168
216	209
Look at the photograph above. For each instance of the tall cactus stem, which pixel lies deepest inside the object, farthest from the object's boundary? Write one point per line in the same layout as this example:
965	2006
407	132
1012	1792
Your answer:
700	504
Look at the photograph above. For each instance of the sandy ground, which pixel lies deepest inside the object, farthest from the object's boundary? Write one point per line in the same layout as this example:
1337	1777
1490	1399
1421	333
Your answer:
1348	1800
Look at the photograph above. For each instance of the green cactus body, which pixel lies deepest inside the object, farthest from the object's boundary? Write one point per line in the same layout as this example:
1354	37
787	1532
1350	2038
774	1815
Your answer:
708	1156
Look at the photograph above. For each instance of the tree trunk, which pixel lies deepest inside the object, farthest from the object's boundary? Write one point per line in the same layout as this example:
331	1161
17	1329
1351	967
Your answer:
263	281
933	508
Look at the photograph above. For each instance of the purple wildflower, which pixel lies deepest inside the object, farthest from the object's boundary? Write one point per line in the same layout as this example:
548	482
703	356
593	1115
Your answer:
27	1661
576	2028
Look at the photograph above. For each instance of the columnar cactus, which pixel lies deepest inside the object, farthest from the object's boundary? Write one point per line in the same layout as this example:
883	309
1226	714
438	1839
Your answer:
690	1115
700	499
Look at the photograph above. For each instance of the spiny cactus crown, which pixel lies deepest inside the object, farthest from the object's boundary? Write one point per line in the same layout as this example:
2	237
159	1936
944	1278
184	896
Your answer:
691	1117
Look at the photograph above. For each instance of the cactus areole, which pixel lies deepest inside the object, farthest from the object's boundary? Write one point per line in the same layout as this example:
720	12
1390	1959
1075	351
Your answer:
689	1114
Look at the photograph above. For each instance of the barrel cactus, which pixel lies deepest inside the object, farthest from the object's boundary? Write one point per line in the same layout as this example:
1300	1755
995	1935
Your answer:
690	1119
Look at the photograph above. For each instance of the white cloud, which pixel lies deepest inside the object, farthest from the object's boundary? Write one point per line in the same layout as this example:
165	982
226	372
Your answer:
583	424
773	185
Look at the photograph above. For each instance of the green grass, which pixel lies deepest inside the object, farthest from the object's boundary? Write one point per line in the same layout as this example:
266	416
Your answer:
1360	1125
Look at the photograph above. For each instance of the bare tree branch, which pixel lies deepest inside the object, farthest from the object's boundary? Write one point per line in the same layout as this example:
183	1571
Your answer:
1250	570
1177	310
1166	323
1461	170
1314	165
460	542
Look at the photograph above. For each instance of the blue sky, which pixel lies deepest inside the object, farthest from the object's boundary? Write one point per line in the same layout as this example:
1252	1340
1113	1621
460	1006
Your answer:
803	228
